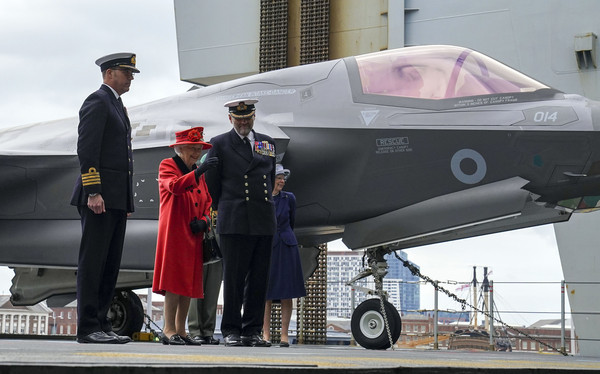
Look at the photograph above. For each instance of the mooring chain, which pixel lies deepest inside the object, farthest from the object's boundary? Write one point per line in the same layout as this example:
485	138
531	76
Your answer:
151	321
379	286
464	303
417	272
379	290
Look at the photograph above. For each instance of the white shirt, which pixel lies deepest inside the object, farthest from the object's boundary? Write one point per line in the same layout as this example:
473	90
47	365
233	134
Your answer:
113	91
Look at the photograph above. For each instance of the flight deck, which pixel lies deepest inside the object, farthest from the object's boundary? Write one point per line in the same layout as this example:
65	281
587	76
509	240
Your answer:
67	356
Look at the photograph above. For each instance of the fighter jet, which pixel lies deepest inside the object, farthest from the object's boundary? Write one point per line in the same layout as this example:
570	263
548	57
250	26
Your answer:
389	150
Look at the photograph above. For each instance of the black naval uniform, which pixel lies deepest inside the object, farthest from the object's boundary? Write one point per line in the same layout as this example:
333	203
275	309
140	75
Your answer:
106	161
241	188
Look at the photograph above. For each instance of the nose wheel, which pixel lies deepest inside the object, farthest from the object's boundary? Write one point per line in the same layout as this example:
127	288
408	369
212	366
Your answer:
369	324
375	322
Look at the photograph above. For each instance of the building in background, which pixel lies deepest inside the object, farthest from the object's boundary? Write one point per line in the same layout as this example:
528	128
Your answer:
341	267
402	287
23	319
40	319
63	320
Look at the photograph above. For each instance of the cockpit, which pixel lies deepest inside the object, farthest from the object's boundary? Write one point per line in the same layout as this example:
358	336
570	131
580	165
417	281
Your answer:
439	72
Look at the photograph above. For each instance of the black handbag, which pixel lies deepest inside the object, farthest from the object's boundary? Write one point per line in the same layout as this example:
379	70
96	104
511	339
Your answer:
211	252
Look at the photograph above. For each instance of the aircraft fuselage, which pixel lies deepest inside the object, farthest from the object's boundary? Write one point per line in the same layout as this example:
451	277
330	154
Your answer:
412	146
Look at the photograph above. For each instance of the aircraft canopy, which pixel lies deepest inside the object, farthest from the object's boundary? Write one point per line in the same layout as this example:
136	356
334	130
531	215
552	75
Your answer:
439	72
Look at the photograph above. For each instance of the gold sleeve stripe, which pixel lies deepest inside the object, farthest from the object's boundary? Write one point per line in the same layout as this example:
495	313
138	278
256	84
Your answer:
90	182
90	178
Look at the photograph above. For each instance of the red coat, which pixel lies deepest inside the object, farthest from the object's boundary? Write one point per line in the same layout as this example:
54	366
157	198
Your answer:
178	264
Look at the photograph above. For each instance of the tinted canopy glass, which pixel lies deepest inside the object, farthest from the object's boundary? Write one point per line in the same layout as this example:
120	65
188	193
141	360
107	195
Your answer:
439	72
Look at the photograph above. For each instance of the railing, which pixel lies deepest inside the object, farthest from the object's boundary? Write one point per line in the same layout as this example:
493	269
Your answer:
559	309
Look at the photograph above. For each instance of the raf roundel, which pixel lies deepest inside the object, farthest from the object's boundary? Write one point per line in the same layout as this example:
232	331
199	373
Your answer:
468	154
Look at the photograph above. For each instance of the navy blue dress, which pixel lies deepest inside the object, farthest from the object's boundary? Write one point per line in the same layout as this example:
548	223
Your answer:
286	279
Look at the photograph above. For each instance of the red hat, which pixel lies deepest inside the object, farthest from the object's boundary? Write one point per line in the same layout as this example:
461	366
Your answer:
191	136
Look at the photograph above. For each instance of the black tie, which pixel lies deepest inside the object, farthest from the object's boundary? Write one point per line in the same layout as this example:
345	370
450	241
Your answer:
124	112
248	147
122	106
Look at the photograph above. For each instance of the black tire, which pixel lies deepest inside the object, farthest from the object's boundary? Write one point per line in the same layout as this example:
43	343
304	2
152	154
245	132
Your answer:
126	313
368	324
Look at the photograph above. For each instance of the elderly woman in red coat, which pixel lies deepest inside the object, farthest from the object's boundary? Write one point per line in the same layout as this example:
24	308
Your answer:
182	222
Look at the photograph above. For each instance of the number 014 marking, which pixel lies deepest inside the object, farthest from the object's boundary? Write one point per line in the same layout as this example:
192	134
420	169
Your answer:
545	116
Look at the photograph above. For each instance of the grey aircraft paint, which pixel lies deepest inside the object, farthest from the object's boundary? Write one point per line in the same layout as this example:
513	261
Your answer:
378	157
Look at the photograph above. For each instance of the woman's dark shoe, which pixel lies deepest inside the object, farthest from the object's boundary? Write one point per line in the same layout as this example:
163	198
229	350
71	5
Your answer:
190	341
284	344
175	339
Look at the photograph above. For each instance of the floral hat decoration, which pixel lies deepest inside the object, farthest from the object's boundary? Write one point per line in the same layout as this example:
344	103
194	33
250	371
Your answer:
195	135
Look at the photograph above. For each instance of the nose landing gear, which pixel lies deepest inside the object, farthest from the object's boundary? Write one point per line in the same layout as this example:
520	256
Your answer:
375	323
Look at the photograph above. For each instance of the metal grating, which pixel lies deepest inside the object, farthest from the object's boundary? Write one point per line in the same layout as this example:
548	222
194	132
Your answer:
273	35
314	47
312	311
314	31
275	330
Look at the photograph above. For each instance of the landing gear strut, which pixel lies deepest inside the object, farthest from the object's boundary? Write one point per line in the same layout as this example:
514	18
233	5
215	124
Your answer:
375	323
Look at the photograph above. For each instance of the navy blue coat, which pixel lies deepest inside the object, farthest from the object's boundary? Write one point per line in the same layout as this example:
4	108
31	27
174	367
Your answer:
286	216
241	187
286	279
104	150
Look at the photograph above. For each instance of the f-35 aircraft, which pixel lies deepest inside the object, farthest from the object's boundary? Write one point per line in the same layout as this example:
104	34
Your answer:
389	150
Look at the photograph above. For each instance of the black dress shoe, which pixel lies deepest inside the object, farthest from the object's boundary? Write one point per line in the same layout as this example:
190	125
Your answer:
98	337
175	339
210	340
121	338
233	340
190	341
255	341
200	339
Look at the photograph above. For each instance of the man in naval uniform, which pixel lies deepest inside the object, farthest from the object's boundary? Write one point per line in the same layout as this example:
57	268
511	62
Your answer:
103	196
241	187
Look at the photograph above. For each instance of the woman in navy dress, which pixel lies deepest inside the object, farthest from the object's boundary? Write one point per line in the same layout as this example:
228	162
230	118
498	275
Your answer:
286	279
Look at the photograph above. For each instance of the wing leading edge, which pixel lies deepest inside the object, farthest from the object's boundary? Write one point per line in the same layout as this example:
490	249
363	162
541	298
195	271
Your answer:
485	209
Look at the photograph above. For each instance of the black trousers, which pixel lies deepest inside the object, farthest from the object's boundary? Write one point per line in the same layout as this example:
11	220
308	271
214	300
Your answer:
98	268
246	264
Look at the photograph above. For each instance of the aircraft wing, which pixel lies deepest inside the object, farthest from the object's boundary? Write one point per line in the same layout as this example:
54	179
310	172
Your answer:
480	210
